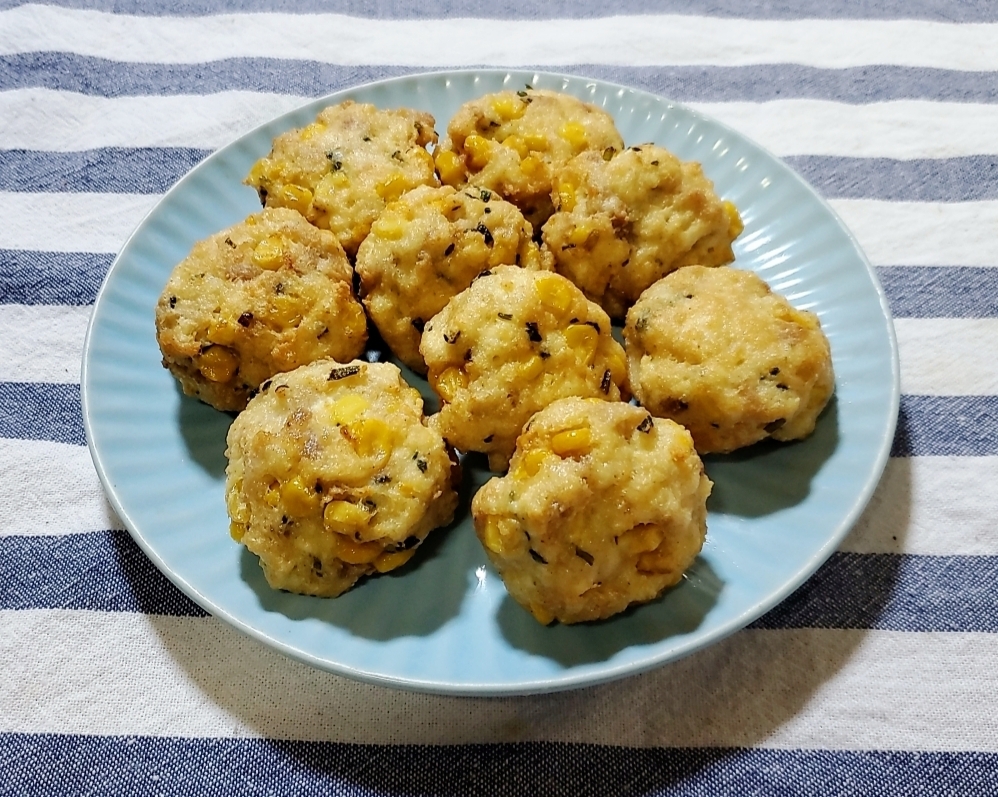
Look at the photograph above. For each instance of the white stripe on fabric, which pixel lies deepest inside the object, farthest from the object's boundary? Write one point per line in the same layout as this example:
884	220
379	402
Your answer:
931	506
50	488
948	356
902	129
43	119
125	674
70	222
632	40
41	343
923	233
66	121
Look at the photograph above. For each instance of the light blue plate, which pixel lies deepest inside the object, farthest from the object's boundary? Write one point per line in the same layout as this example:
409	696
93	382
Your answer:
444	622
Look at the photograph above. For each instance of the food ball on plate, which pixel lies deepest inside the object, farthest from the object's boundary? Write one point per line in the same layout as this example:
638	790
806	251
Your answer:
264	296
508	346
426	248
341	170
625	221
603	507
514	142
717	351
334	474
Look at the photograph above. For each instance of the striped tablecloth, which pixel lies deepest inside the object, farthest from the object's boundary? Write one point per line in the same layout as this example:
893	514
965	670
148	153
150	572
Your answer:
881	678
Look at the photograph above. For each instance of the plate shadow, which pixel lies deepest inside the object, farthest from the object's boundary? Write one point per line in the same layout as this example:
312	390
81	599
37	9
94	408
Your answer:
781	473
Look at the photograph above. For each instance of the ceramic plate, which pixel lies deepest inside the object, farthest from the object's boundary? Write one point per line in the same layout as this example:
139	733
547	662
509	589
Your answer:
444	623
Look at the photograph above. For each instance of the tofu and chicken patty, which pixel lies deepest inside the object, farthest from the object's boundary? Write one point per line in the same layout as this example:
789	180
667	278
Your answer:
341	170
717	351
334	474
426	248
261	297
514	142
625	220
509	345
603	507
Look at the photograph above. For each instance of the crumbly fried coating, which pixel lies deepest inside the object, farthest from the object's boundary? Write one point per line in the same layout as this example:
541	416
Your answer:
508	346
426	248
264	296
717	351
603	507
334	474
514	142
342	169
624	222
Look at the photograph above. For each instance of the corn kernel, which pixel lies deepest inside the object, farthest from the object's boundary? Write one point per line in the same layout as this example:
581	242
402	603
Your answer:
285	310
273	495
389	226
392	188
237	531
449	167
531	369
478	151
735	223
507	107
580	235
269	253
218	364
237	509
575	134
555	292
517	144
347	409
420	154
450	382
492	535
566	195
372	437
531	462
536	142
531	166
312	130
295	197
222	331
583	340
258	173
355	553
572	442
345	517
298	498
389	561
641	539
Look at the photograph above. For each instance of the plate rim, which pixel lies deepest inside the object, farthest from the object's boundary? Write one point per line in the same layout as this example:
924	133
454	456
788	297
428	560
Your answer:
569	679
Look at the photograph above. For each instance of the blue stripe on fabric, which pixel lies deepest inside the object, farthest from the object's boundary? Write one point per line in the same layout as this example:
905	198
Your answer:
927	425
152	170
894	592
113	170
106	571
946	426
46	764
941	291
97	571
29	277
752	83
37	411
965	179
963	11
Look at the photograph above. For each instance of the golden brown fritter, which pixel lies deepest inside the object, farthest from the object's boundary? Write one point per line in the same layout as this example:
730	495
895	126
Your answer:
334	474
264	296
